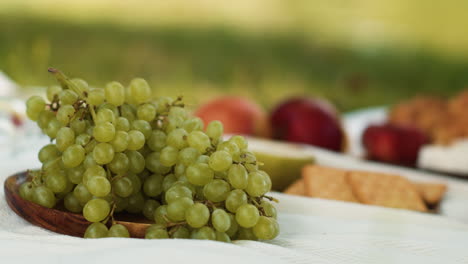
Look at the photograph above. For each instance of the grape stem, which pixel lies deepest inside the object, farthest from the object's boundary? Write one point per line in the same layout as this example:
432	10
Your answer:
65	81
270	198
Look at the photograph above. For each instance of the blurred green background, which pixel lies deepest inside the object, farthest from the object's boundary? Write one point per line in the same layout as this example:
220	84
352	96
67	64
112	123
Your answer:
356	53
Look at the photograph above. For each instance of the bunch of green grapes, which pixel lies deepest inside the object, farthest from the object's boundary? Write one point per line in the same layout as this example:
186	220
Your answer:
114	149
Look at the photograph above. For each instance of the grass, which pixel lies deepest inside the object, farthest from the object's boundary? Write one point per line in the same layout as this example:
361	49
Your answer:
202	62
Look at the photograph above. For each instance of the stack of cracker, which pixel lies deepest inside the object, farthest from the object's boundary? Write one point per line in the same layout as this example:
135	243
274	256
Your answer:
367	187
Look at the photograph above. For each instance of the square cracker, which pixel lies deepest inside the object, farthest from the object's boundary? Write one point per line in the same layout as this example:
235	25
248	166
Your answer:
385	190
327	183
432	193
296	188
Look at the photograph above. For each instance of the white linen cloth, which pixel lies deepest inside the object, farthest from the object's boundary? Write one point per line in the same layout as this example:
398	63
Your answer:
312	231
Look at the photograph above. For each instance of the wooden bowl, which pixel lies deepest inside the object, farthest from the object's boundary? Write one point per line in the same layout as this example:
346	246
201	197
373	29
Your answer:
58	220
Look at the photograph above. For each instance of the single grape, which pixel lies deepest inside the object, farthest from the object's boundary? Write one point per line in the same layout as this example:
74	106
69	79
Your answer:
56	181
169	156
232	231
99	186
52	128
177	138
247	215
45	116
157	141
26	191
90	146
197	215
220	220
122	124
96	230
154	165
199	174
53	92
136	161
163	103
48	152
142	126
75	175
82	194
93	171
177	112
68	97
188	156
81	84
83	140
223	237
176	209
198	140
149	208
246	234
105	115
65	138
156	233
235	199
214	130
240	141
72	203
176	192
103	153
115	93
140	92
153	185
118	230
73	156
217	190
179	170
269	209
204	233
128	111
259	183
238	176
65	113
120	164
79	126
160	215
34	106
104	132
230	147
266	228
136	140
146	112
96	96
44	196
123	187
193	124
181	232
220	160
168	181
136	202
96	210
203	159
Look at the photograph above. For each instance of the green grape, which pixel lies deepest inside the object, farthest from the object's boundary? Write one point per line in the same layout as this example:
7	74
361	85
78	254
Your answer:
78	126
68	97
96	210
185	183
177	112
222	237
65	138
111	107
93	171
232	231
123	187
154	165
26	191
197	215
105	115
96	96
118	230
90	146
120	164
269	209
230	147
168	156
203	159
146	112
246	234
188	156
179	170
177	138
48	152
115	93
220	160
235	199
45	116
120	203
153	185
142	126
178	191
240	141
53	92
82	194
156	233
250	161
176	209
181	232
96	230
120	141
65	113
163	103
266	228
199	174
238	176
104	132
157	141
128	112
103	153
204	233
198	140
199	193
136	140
136	202
52	128
140	92
193	124
34	106
73	156
168	181
75	175
122	124
136	161
160	215
149	208
56	181
247	215
72	203
217	190
52	165
82	140
214	130
89	161
44	196
99	186
220	220
259	183
81	84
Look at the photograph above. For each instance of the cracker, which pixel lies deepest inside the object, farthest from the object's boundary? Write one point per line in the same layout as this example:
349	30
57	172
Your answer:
432	193
385	190
296	188
327	183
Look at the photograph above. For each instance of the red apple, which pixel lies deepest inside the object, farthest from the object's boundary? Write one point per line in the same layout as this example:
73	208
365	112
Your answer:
238	115
393	143
308	120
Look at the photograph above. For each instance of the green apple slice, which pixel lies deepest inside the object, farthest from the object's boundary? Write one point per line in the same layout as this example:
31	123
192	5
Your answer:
282	161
